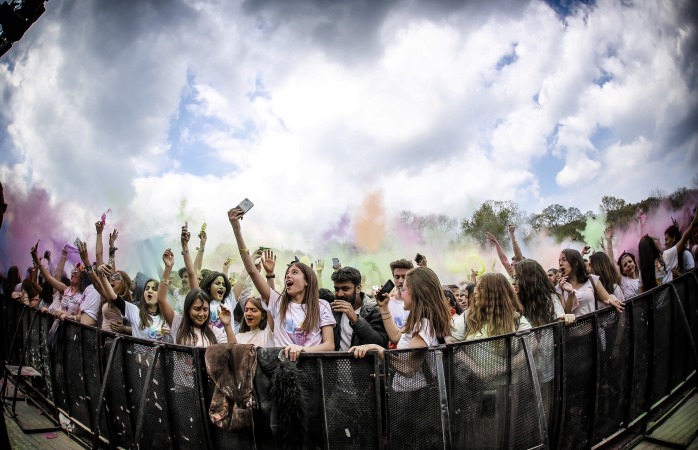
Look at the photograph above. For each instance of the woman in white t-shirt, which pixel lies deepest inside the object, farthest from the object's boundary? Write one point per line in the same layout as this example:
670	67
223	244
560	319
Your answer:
192	327
302	322
429	321
255	327
580	290
602	266
146	319
656	266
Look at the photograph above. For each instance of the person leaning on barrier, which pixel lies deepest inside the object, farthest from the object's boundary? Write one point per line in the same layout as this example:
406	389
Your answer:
358	322
429	321
579	289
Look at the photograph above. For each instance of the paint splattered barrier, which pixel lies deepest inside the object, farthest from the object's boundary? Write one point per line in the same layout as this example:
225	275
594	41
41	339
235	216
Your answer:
568	387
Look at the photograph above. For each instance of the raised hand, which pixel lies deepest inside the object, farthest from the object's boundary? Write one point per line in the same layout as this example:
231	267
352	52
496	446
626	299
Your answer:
269	261
608	233
64	252
235	215
186	235
112	237
512	228
224	315
168	257
227	264
33	252
105	270
319	265
202	239
82	249
99	227
586	250
490	237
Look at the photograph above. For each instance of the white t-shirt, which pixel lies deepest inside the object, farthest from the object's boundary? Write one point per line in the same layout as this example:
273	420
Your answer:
259	338
91	303
214	309
177	300
688	261
398	312
403	383
73	301
671	260
289	331
584	301
154	332
201	341
346	332
629	286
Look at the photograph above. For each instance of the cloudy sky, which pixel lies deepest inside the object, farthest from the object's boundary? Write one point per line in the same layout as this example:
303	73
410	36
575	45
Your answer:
322	110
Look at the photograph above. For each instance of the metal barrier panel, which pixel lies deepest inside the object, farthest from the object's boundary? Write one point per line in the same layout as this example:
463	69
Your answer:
349	401
92	370
117	406
579	384
547	357
413	406
523	412
311	384
662	331
687	291
57	350
640	312
614	347
45	367
182	397
78	406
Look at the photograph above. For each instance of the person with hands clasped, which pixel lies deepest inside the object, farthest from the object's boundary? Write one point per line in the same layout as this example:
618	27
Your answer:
191	328
359	322
579	290
302	322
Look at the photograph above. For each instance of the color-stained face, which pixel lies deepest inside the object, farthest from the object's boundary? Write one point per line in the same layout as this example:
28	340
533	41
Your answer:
198	313
217	288
253	315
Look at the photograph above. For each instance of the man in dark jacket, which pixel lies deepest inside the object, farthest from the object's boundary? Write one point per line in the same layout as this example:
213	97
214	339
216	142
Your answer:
358	322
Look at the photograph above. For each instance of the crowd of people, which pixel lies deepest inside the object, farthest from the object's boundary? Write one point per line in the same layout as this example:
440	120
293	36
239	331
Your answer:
205	307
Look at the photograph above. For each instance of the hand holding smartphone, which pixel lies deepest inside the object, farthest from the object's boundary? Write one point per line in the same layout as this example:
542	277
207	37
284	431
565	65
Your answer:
386	289
245	205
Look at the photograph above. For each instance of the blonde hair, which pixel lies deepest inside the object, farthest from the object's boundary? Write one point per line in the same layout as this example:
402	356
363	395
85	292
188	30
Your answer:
495	308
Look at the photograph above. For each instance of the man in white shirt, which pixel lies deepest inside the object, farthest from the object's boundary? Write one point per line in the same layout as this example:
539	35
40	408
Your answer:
399	269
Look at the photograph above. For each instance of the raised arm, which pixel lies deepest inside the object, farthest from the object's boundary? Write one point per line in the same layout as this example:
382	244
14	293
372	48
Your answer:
165	307
686	234
234	216
608	233
500	253
269	264
184	238
96	282
112	248
54	283
61	264
99	245
517	249
199	258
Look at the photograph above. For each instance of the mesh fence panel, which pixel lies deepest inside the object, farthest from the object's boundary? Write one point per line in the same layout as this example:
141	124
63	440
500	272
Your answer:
642	354
117	404
183	400
59	346
547	366
663	329
156	431
684	362
413	408
311	385
350	402
478	390
92	370
691	296
614	372
524	412
579	384
45	366
78	406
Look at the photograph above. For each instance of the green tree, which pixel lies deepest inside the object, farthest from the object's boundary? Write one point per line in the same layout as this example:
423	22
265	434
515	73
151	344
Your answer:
495	217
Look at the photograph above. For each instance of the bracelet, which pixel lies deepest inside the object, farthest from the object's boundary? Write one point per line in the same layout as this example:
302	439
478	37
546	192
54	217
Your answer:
269	277
201	249
185	252
244	250
165	281
88	268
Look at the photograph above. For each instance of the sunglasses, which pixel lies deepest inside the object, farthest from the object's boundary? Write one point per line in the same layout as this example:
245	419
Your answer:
115	277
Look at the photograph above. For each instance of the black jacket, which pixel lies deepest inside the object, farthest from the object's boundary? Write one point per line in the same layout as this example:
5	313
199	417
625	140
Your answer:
368	329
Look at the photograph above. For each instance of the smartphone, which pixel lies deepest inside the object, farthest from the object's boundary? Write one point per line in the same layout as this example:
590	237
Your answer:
261	249
77	242
295	259
245	205
387	289
335	262
419	258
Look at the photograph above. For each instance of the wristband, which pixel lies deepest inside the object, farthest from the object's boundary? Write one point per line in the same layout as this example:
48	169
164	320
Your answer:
200	249
244	250
271	276
185	252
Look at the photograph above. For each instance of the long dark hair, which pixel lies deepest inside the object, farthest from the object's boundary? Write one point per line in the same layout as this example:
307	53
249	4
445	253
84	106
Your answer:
603	267
577	264
428	302
257	304
452	301
311	299
186	335
536	293
146	318
207	282
649	253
